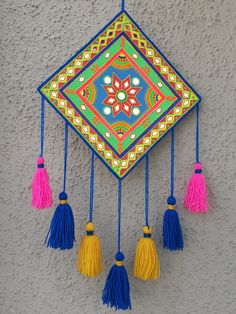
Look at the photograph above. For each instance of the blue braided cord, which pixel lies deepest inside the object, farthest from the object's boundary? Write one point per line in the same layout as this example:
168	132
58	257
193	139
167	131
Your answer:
42	126
146	189
172	162
122	5
197	133
91	188
65	155
119	213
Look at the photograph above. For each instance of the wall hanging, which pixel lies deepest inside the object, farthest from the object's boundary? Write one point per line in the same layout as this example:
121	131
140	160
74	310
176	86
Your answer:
121	95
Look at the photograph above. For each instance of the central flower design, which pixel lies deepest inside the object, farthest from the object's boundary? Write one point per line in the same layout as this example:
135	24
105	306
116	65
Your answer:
122	95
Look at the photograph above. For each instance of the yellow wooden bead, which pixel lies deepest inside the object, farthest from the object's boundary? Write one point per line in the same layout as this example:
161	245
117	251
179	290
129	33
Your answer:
147	230
89	226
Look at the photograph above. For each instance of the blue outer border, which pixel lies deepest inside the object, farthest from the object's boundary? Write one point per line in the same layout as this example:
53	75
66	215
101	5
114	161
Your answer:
79	51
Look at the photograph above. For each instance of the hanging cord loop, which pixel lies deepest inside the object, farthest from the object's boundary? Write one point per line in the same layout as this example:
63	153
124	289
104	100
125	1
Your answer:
197	133
41	189
65	155
172	232
196	196
91	188
172	162
146	262
147	191
116	292
61	233
119	213
42	126
122	5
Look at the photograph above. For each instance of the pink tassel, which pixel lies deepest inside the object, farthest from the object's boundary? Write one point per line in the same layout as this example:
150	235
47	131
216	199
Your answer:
41	190
196	199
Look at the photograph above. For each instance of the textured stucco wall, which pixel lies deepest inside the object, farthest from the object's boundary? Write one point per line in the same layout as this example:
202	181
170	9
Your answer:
37	37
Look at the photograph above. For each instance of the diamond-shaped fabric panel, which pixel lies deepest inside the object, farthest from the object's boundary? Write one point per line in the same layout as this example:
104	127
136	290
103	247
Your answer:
120	94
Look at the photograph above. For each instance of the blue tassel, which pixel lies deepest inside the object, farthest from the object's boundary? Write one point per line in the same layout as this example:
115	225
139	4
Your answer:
61	231
116	292
172	233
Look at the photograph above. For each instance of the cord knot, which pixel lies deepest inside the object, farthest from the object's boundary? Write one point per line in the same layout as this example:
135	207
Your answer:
63	196
90	228
119	257
171	200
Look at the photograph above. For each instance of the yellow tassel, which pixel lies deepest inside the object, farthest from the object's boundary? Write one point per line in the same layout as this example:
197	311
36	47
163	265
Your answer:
146	263
89	260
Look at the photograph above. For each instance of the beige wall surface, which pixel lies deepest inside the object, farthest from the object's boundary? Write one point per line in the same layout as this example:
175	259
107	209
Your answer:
37	37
